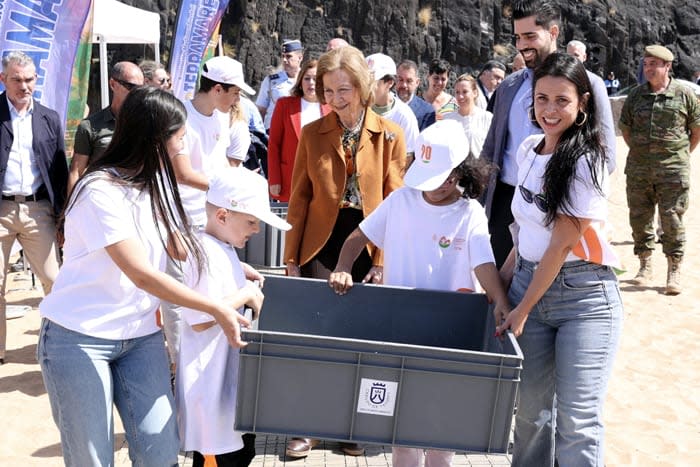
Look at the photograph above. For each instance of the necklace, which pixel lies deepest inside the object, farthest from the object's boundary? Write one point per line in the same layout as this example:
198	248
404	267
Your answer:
356	127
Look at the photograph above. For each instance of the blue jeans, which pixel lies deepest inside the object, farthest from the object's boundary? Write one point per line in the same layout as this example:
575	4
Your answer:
85	375
569	344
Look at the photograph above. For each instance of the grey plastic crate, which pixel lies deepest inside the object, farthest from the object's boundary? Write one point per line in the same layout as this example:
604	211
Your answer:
267	246
379	365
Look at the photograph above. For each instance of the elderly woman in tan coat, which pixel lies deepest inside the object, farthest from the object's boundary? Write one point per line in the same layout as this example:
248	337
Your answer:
347	162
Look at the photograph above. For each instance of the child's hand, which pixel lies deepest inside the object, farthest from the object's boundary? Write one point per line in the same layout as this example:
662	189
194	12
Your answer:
375	275
501	310
231	321
255	298
340	282
252	274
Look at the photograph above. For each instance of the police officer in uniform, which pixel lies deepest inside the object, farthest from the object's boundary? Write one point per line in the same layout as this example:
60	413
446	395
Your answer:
278	84
660	123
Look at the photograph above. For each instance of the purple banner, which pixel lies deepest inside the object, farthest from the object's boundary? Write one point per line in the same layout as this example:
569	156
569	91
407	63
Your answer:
49	32
196	21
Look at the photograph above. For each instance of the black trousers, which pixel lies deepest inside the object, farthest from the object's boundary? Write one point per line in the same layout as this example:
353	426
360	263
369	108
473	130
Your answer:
501	217
241	458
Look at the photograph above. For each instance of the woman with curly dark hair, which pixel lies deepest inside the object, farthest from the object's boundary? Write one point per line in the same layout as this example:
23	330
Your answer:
435	95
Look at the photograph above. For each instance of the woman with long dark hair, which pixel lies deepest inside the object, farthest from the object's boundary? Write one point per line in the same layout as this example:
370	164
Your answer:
567	309
100	343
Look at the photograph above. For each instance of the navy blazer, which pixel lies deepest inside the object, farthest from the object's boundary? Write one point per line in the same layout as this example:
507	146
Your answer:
495	143
48	146
425	113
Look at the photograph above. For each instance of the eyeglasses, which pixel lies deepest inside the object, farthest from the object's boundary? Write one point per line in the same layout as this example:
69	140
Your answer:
127	85
539	199
162	81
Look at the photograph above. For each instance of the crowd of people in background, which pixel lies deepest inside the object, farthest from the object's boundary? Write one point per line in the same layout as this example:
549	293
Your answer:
516	158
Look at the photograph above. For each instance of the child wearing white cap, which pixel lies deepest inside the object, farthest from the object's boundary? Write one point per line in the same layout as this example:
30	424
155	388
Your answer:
434	234
387	105
206	380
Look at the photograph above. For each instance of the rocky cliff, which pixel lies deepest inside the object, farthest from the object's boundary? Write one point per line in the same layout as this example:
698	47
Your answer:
465	32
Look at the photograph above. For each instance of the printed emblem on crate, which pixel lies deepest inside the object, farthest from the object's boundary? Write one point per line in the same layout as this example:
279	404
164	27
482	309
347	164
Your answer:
377	393
377	397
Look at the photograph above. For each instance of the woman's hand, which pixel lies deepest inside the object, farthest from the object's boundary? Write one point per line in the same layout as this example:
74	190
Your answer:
275	190
340	281
515	321
293	270
375	275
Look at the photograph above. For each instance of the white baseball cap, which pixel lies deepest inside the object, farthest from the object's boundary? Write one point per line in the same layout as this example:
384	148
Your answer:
381	65
226	70
242	190
439	148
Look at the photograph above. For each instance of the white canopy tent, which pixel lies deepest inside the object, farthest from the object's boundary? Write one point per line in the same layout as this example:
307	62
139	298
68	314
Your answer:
117	23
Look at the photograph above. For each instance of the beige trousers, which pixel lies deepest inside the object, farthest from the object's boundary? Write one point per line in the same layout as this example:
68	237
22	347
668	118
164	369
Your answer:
33	225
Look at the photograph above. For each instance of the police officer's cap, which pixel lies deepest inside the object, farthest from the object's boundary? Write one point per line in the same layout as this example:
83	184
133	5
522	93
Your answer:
291	45
658	51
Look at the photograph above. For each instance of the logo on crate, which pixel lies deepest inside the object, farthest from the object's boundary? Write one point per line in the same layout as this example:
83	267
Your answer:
377	393
377	397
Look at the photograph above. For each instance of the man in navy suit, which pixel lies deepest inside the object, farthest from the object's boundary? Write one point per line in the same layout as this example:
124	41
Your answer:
406	85
536	26
34	175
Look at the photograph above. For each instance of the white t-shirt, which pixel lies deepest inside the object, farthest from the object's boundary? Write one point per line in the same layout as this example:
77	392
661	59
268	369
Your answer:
310	112
91	294
207	369
239	140
586	203
429	247
206	141
476	127
401	114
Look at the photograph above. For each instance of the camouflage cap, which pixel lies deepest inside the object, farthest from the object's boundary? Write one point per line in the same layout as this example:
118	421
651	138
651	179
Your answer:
658	51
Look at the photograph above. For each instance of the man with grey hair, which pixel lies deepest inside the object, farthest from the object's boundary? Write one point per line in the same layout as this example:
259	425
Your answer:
577	49
34	177
491	75
95	132
407	83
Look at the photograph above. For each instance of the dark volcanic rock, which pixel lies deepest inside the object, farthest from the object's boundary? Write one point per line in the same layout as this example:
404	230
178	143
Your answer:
465	32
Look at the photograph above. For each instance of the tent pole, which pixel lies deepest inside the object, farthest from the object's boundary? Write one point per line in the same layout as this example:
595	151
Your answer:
104	73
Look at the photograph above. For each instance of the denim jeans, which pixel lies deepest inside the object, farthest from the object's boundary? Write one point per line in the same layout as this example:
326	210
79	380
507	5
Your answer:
569	344
85	375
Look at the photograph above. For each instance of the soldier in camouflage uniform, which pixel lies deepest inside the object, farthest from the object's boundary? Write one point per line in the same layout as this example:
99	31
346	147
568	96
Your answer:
660	123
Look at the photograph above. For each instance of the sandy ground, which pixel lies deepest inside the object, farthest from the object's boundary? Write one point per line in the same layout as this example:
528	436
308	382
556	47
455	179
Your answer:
653	407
